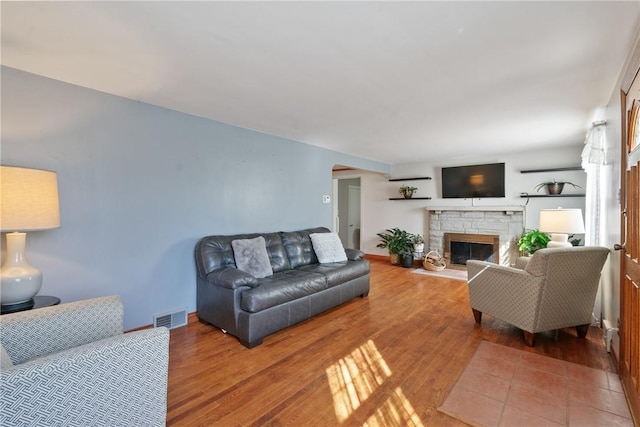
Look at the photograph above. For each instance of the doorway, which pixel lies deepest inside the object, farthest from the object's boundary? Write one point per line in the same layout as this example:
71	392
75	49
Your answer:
348	212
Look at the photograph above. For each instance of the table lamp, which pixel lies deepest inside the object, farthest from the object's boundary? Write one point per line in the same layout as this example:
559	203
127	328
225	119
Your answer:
28	201
560	223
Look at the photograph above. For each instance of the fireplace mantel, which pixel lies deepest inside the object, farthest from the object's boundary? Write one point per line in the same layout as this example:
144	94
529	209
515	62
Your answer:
509	210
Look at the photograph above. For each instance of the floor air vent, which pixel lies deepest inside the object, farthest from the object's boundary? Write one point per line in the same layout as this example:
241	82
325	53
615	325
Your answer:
170	320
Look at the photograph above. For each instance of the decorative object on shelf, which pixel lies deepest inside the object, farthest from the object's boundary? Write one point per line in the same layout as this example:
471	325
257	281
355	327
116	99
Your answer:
29	201
533	240
433	261
397	242
418	243
407	191
560	223
555	187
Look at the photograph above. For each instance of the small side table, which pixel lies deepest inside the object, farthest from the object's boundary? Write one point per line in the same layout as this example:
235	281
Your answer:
38	301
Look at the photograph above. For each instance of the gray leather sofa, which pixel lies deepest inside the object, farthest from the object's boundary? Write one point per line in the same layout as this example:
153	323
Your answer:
251	308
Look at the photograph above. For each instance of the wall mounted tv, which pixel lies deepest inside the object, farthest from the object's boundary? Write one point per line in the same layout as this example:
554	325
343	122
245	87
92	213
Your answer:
474	181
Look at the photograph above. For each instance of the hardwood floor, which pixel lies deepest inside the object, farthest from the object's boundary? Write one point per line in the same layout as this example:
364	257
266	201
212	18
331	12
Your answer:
389	359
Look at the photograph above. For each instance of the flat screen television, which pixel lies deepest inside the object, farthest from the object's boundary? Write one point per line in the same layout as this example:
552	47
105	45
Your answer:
474	181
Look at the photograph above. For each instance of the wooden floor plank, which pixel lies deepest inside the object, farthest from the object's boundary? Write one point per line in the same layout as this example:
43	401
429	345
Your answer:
397	354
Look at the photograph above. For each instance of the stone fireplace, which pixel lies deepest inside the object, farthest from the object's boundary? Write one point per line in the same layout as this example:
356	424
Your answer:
473	228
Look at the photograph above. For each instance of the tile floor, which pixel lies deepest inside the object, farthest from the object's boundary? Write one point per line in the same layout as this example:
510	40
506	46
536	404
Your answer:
505	387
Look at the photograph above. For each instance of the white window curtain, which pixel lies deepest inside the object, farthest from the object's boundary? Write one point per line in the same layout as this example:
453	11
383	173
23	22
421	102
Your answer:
594	156
594	160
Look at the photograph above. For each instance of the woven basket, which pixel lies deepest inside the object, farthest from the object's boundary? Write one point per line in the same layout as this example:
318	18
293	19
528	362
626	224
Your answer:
433	261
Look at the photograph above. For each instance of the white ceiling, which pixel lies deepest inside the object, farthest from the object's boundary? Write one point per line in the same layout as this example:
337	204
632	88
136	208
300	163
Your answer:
389	81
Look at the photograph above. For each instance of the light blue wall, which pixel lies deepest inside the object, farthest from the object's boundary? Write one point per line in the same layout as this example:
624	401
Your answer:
139	185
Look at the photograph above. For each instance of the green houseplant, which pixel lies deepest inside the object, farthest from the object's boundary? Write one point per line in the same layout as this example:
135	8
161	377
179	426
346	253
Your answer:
554	186
407	191
397	242
533	240
418	243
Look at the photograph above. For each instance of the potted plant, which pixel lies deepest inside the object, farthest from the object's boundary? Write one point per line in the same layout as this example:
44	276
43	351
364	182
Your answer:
406	258
533	240
555	187
407	191
397	242
418	243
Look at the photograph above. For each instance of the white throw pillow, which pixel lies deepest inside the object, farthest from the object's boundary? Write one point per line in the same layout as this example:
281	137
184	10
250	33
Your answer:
328	247
251	256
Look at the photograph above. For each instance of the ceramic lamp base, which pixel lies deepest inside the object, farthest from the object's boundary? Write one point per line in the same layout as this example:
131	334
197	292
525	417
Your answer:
559	240
19	281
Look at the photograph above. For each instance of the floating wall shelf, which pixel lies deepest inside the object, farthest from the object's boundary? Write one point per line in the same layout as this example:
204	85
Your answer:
412	198
409	179
568	168
550	195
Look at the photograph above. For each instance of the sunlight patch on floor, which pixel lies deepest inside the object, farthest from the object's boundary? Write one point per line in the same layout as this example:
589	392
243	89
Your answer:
353	378
396	412
356	377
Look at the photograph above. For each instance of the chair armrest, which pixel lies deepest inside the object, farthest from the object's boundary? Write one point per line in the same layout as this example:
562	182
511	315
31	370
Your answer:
120	380
522	262
34	333
354	254
475	267
507	293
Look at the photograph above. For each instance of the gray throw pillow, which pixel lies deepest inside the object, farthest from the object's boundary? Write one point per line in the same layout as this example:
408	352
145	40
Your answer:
328	247
251	256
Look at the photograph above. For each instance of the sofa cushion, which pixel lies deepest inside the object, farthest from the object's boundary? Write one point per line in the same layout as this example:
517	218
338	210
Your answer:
276	251
328	247
251	256
339	272
214	252
299	247
281	288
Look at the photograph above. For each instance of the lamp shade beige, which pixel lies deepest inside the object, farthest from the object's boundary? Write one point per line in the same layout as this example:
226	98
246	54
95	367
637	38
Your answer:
29	199
566	221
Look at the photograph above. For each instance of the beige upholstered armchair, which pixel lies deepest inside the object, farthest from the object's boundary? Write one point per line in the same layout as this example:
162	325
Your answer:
555	289
71	365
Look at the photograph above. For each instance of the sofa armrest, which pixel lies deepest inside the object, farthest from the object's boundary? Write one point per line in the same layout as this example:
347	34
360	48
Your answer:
354	254
34	333
231	278
120	380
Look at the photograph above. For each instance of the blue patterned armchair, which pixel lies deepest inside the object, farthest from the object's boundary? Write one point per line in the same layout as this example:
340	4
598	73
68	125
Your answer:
71	365
555	289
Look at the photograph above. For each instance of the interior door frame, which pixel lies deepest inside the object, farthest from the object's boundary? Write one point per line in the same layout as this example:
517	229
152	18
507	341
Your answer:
627	377
354	215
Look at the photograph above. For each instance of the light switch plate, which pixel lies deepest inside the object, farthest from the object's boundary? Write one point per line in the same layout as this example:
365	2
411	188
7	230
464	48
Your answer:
326	199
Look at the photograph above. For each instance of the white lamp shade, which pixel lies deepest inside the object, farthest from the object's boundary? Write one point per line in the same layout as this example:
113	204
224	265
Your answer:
566	221
29	199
